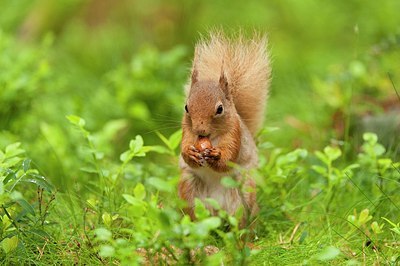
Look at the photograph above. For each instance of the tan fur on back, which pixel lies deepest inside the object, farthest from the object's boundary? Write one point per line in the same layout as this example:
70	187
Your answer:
246	66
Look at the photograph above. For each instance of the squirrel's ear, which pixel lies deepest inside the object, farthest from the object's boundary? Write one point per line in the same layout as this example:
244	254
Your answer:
223	83
194	75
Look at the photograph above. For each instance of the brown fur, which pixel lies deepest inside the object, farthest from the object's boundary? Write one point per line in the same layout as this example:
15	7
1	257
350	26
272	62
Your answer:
233	76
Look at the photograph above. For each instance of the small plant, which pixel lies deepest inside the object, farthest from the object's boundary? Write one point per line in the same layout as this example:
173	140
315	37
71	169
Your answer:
395	227
280	169
146	224
372	158
362	219
334	176
24	225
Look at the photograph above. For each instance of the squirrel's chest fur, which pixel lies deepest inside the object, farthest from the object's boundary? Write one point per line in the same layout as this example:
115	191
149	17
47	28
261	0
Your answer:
206	183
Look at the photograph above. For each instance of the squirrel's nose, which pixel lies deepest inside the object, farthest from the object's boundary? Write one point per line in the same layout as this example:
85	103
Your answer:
200	129
201	132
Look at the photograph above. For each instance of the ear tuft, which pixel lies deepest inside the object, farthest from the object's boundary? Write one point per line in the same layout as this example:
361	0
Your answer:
195	74
223	82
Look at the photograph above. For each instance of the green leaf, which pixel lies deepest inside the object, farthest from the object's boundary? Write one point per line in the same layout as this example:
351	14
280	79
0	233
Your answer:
9	244
139	191
107	219
371	138
137	207
89	169
200	209
136	144
233	221
164	139
175	139
16	195
329	253
11	162
396	227
126	156
213	203
76	120
186	220
26	164
212	222
322	157
364	217
98	155
26	206
103	234
40	181
155	148
385	163
396	230
379	149
106	251
6	222
132	200
10	174
2	156
160	184
350	167
40	233
332	152
390	222
376	228
320	169
291	157
351	219
13	150
203	227
228	182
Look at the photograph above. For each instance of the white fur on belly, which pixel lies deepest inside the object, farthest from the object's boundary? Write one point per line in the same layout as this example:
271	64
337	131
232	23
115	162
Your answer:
227	198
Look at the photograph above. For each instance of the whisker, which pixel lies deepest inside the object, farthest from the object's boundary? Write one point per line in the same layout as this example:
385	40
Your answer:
160	129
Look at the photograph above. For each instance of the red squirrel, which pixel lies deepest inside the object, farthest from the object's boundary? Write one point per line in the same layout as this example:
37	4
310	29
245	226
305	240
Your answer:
225	103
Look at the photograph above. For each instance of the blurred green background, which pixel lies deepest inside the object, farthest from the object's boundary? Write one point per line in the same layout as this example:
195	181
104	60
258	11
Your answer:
121	66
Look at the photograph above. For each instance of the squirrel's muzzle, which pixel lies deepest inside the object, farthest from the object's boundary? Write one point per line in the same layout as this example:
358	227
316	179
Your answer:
201	130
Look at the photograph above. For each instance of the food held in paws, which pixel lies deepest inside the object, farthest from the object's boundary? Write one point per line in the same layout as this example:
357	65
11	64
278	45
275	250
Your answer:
203	143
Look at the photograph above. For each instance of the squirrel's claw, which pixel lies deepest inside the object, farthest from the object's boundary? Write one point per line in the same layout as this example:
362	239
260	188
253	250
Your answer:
198	161
213	159
212	154
193	148
194	157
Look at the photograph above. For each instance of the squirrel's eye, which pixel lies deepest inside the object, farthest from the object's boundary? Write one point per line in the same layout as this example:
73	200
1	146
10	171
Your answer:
186	109
220	109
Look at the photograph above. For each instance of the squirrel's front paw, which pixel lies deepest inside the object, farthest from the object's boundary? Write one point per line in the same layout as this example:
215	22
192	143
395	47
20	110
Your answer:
213	158
212	154
193	157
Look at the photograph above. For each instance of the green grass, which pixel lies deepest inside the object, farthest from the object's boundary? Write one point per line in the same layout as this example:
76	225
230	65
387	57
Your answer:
89	135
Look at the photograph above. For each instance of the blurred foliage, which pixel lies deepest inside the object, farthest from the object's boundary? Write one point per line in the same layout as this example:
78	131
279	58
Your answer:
99	52
121	66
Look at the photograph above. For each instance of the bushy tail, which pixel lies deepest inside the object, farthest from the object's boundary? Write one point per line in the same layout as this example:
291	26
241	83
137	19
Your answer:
246	65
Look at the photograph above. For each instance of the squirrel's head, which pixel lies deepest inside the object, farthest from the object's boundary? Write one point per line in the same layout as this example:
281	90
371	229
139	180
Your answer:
209	108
